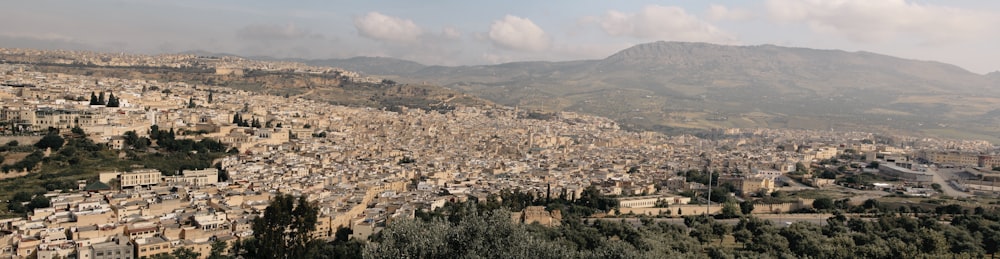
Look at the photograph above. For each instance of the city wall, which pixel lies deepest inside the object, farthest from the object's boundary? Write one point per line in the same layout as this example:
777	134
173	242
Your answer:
21	140
696	209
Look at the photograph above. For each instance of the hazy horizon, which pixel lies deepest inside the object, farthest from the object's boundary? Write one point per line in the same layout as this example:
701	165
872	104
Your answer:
475	33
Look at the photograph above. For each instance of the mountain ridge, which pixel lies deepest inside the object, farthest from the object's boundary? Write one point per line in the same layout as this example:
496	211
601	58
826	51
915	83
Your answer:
685	85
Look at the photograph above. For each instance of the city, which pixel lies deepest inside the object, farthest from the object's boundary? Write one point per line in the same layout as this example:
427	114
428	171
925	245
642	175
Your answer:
364	167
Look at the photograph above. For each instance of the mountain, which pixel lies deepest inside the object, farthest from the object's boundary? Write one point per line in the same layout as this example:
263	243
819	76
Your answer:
683	87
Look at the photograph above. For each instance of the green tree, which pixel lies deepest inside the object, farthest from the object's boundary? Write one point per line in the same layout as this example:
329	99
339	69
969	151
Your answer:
133	141
78	131
729	210
93	99
39	201
50	140
284	230
823	203
113	101
185	253
746	207
218	250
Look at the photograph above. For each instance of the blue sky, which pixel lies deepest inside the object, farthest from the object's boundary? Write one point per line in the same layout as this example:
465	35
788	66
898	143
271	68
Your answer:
454	32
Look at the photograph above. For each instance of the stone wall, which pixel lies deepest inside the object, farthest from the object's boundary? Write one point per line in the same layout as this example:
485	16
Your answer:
22	140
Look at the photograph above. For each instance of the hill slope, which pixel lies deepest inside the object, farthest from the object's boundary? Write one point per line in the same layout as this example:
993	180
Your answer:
675	86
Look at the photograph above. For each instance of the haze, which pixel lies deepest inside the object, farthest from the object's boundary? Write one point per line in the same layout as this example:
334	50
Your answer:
473	32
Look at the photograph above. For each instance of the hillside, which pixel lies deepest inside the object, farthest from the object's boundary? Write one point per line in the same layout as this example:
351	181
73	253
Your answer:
684	87
320	87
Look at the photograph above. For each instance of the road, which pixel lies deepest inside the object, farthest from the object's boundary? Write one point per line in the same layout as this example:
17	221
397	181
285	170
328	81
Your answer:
793	185
780	220
941	177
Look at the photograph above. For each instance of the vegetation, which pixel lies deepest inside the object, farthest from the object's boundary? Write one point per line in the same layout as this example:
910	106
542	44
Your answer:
283	231
478	231
484	229
75	157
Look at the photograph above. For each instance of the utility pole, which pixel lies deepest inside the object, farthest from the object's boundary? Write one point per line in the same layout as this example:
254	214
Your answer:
709	194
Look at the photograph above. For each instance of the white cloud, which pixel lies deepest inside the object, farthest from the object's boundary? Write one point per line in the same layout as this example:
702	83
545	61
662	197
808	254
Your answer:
662	23
378	26
722	13
518	33
880	20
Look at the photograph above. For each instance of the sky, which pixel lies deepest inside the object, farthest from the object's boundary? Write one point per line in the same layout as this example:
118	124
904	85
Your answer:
463	32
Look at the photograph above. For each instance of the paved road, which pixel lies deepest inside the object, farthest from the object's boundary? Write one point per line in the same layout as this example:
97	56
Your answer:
941	177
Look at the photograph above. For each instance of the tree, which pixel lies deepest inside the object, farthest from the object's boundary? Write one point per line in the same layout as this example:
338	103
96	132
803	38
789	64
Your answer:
823	203
746	207
93	99
154	132
284	230
719	194
50	140
218	250
39	201
132	140
720	229
801	168
100	99
343	234
209	96
729	210
873	164
191	102
185	253
113	101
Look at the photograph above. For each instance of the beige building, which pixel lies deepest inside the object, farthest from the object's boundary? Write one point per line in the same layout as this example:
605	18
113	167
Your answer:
954	158
140	178
201	177
749	185
150	246
118	247
650	201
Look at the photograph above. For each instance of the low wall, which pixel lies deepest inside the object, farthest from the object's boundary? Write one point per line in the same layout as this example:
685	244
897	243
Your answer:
695	209
674	210
21	140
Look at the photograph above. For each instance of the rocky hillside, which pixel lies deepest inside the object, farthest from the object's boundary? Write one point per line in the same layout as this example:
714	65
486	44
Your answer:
677	86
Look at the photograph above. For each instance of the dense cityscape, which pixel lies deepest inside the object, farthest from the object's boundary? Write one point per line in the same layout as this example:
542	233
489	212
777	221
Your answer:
364	168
